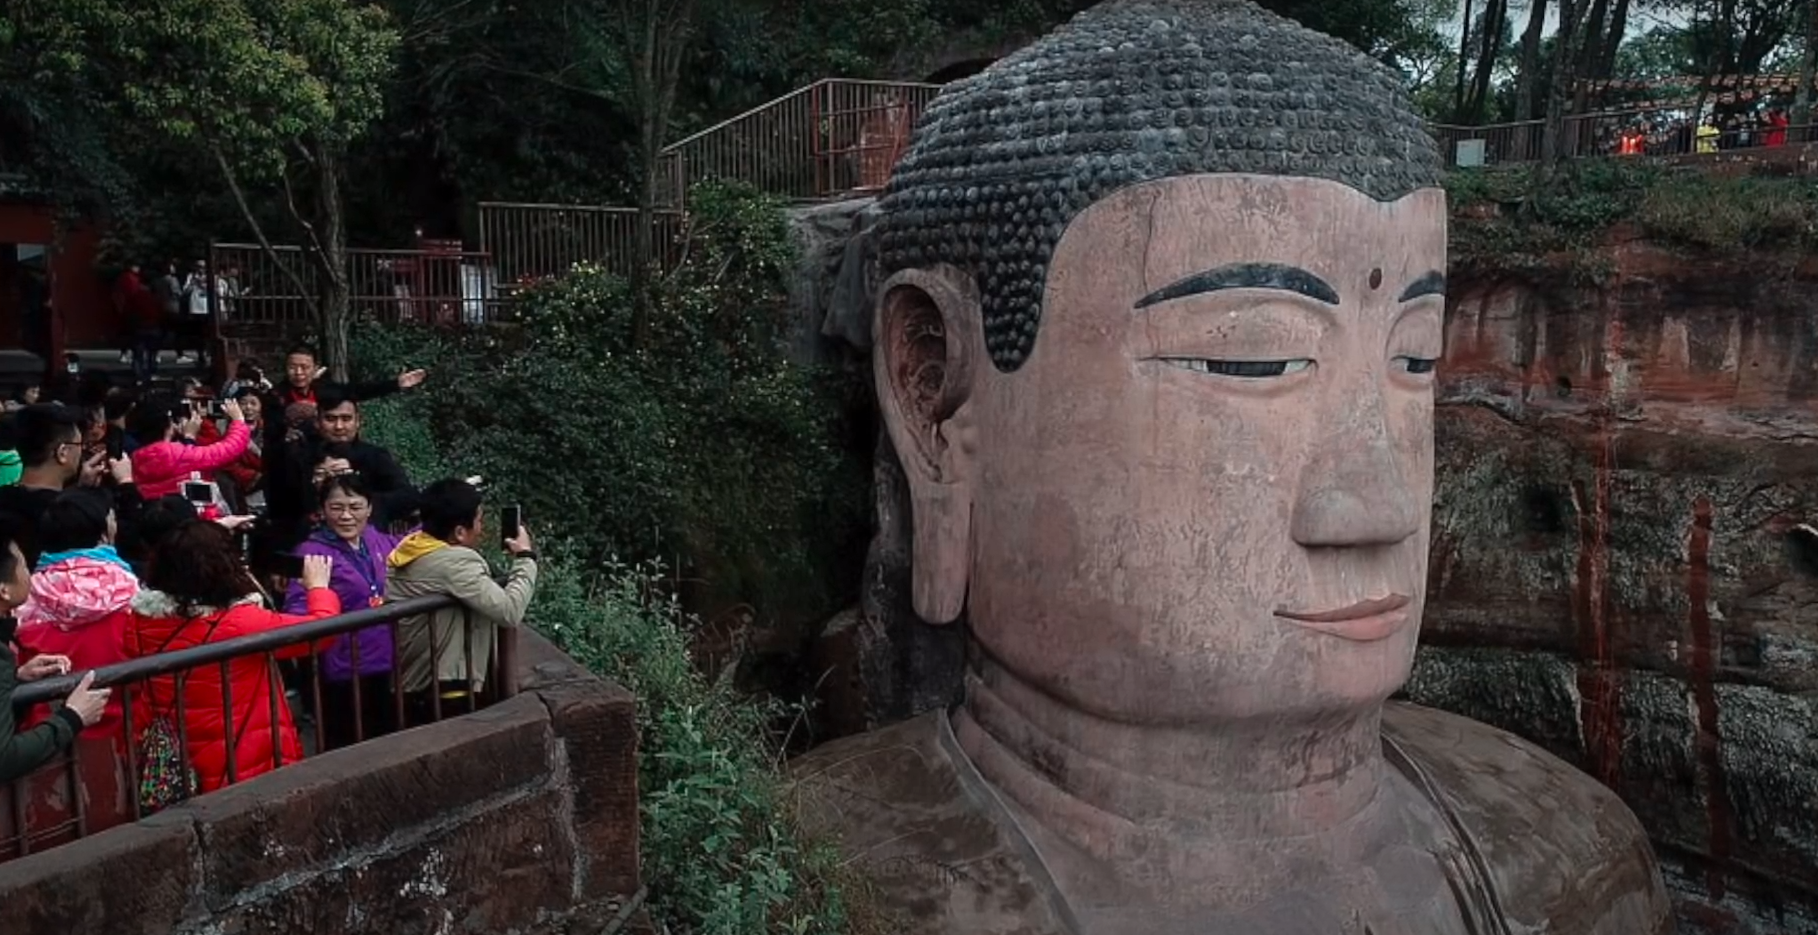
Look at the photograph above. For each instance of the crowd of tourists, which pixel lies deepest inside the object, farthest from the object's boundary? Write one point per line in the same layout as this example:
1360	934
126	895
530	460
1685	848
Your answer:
1665	136
140	522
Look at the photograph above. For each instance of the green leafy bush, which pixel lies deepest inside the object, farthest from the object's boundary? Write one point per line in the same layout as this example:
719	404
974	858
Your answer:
702	447
722	853
1521	219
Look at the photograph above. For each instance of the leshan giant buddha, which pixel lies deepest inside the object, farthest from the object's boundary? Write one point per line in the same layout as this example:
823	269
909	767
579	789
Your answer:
1156	351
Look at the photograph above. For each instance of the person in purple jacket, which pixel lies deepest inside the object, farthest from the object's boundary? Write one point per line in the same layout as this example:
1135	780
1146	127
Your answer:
346	535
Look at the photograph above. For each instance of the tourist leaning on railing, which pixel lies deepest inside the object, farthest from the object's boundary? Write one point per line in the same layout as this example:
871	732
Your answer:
81	592
435	652
24	751
198	591
359	552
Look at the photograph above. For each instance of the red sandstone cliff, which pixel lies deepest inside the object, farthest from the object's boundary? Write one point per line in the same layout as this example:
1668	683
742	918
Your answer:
1617	570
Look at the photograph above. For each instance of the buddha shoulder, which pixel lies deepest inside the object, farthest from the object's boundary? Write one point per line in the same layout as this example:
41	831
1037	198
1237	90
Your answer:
895	802
1565	854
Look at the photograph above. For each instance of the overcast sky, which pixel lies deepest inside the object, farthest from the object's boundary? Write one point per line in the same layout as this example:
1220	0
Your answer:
1639	20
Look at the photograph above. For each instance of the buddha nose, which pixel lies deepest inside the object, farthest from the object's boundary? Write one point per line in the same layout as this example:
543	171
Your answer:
1355	493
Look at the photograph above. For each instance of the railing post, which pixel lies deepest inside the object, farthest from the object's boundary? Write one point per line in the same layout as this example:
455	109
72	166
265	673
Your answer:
507	660
814	135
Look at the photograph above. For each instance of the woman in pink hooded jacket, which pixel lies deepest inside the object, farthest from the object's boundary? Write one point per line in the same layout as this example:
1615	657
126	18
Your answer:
82	592
162	424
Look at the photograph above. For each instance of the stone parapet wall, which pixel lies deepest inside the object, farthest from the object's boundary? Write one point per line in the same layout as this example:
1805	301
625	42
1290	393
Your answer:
512	819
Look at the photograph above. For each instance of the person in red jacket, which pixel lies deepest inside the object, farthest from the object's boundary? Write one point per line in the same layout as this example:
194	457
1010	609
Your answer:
247	472
303	372
1777	123
198	591
81	594
166	457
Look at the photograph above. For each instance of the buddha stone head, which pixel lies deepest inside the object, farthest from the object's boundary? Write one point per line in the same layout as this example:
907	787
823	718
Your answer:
1164	295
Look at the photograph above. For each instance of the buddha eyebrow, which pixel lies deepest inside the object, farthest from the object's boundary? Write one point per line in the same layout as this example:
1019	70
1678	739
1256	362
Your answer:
1245	276
1433	283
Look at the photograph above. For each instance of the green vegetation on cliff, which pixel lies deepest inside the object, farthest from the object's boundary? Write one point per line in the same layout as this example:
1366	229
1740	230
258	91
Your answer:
697	455
701	447
1517	220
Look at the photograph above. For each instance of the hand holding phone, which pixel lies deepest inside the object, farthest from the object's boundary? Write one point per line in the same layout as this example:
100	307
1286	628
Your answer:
511	523
287	565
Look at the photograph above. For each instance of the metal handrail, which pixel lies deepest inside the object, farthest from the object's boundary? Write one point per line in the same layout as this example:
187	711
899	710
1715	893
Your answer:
135	670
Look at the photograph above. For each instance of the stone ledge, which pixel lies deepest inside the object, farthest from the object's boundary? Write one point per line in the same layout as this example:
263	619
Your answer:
505	820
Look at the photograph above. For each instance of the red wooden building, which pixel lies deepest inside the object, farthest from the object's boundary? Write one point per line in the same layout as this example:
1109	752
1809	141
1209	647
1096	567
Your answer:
52	296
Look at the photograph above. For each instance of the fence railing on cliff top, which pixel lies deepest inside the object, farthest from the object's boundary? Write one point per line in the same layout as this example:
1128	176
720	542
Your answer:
96	784
1659	132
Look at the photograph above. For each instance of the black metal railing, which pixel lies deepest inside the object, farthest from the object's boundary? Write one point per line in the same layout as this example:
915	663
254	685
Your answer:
95	785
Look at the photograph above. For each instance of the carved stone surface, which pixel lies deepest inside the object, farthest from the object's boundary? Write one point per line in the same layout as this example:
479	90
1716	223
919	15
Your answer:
1186	523
1129	92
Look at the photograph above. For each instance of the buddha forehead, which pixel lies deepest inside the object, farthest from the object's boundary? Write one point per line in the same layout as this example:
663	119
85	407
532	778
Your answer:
1135	91
1196	234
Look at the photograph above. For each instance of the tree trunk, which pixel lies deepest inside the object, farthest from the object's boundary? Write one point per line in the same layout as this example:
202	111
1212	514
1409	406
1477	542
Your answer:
1529	81
1464	55
658	44
1619	26
650	147
1494	15
330	225
1591	45
1554	137
1802	101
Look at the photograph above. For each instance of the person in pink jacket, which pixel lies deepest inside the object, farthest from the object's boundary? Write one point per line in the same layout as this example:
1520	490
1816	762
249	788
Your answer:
166	457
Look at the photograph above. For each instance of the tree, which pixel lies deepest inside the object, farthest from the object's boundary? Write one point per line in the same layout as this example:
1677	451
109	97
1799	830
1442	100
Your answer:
271	93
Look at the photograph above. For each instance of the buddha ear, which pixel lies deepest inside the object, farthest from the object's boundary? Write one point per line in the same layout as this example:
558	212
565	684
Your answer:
925	343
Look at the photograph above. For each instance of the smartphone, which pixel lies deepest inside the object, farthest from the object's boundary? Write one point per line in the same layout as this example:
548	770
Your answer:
287	565
116	446
198	493
511	521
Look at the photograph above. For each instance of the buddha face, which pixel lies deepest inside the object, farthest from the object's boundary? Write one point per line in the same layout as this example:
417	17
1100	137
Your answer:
1206	493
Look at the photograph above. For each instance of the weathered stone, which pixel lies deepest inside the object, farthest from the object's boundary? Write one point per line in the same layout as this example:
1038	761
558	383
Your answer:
1617	571
823	235
352	800
489	873
132	879
508	820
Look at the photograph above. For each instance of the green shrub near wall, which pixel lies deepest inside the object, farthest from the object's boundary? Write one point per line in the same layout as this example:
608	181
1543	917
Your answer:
704	447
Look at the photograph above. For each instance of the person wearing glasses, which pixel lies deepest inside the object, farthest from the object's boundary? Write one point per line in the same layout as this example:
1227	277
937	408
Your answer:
345	534
49	439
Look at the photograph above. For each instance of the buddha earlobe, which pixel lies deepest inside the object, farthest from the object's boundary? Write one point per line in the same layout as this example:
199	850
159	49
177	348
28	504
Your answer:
926	339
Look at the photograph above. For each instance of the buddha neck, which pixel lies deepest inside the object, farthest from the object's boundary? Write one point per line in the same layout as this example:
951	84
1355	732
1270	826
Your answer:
1225	807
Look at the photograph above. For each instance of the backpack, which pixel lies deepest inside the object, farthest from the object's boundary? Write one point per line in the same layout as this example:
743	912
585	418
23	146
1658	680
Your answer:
163	778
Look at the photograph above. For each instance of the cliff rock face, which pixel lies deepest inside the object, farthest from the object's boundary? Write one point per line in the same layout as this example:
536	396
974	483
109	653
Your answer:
1619	571
1619	568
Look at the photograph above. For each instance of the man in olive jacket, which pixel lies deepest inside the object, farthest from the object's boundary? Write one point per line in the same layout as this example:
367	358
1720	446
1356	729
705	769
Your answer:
23	752
434	650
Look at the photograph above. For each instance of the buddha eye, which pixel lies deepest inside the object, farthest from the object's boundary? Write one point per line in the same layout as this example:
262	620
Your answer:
1244	369
1416	365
